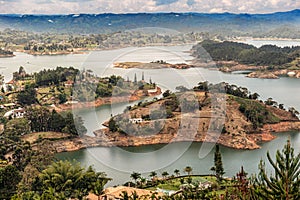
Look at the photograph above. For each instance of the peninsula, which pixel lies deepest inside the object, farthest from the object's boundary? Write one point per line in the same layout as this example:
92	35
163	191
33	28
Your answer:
235	119
268	61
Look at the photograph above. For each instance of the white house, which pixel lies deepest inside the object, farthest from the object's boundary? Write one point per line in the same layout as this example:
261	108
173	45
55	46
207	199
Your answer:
136	120
16	113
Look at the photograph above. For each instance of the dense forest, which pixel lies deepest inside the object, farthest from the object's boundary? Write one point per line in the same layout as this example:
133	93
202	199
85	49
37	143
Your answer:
269	55
55	76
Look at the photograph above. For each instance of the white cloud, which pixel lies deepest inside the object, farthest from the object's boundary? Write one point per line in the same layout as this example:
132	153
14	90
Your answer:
216	10
116	6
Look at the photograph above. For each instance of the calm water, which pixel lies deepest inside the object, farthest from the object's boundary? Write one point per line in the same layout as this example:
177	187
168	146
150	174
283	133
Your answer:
280	43
120	162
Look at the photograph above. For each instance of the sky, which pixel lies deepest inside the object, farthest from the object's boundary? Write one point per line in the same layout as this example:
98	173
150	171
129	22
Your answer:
134	6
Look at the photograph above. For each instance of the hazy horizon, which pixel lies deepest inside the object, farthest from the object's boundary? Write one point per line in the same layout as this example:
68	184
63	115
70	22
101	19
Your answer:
166	12
66	7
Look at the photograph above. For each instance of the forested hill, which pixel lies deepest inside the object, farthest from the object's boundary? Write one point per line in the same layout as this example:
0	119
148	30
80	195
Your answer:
282	24
269	55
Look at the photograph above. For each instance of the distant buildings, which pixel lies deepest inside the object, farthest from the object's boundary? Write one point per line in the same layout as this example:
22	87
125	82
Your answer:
15	113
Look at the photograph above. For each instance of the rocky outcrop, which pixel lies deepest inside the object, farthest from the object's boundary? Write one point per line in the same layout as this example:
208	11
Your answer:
240	67
275	74
281	127
263	75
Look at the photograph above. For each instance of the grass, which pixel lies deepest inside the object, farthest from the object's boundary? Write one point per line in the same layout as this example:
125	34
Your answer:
48	93
174	184
33	137
169	187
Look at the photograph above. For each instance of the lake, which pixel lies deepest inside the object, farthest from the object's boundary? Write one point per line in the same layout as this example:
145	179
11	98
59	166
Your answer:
119	163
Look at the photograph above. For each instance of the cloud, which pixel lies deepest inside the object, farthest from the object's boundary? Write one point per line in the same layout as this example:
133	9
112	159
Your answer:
78	1
129	6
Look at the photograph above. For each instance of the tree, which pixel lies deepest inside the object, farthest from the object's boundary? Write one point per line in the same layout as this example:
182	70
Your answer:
165	174
70	179
242	183
218	164
285	183
28	96
167	93
188	170
177	172
135	79
112	125
17	127
135	176
152	174
62	98
9	178
98	180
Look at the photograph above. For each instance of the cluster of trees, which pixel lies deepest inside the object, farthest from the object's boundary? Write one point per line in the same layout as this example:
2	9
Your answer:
20	169
269	55
6	52
106	87
54	47
21	74
59	180
256	112
36	178
55	76
282	183
64	180
141	182
117	86
27	96
43	120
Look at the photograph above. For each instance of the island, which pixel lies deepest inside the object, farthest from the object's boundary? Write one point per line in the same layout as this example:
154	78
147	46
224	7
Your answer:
152	65
268	61
235	118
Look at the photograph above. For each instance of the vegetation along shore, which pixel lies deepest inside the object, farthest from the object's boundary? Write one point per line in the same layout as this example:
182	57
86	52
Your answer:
268	61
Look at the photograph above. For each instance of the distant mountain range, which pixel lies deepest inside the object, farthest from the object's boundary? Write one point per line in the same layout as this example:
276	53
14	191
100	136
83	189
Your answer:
280	24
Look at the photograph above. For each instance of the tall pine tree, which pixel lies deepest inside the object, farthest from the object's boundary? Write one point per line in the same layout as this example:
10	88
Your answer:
218	164
285	183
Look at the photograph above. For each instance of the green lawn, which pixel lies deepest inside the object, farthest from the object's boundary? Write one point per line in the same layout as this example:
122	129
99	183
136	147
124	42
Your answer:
174	184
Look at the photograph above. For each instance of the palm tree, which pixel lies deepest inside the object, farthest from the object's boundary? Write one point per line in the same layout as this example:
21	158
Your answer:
177	172
143	181
152	175
165	174
135	176
188	170
71	179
